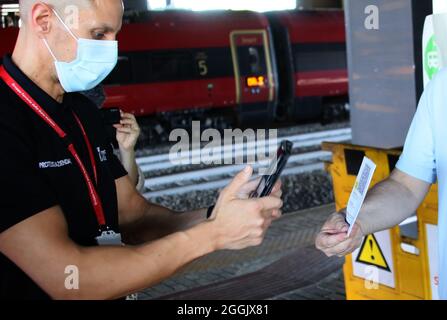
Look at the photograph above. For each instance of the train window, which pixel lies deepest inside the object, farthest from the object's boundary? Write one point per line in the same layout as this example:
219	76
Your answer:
214	63
172	66
121	74
255	62
141	66
252	61
145	66
331	56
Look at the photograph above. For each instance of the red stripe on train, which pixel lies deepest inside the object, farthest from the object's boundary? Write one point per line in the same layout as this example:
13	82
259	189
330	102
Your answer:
321	83
150	98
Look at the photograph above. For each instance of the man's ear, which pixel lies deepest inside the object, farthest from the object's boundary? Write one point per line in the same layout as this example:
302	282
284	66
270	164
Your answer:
40	18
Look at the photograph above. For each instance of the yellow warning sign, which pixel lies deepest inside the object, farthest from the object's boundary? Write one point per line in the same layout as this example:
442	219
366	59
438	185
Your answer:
370	253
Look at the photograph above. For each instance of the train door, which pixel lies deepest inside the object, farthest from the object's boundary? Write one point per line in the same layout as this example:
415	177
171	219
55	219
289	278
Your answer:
254	77
285	66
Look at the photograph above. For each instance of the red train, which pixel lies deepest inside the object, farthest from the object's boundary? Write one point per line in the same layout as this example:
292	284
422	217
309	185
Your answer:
261	67
310	49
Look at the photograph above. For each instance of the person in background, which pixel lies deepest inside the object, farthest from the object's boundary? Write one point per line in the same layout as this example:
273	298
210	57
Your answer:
127	134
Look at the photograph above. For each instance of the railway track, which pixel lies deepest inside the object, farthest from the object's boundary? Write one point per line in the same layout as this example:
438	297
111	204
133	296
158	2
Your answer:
212	178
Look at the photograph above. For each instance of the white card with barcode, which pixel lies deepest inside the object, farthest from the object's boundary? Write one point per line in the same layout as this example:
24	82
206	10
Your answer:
359	191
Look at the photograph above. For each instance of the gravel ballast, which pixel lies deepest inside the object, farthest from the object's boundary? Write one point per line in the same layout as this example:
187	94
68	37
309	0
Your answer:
302	191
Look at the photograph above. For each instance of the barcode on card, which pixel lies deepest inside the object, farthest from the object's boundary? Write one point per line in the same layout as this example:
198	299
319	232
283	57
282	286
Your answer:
359	191
363	183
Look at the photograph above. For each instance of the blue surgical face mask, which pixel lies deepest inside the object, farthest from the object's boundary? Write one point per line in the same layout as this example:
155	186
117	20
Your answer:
94	61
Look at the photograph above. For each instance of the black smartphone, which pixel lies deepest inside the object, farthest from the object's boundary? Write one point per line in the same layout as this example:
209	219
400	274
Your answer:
111	116
267	182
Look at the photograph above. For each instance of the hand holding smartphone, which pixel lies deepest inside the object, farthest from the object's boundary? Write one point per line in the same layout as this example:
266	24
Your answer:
267	182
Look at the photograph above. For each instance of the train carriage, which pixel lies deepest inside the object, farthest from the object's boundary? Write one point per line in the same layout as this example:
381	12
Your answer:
177	66
312	62
181	61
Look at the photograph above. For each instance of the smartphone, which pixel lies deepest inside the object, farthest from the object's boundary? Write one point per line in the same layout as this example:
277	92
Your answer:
111	116
267	182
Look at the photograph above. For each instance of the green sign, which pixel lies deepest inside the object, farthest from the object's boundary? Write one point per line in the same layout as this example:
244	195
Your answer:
432	60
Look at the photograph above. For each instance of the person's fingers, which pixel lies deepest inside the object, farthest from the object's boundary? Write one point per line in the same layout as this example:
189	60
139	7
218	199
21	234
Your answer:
126	115
277	187
118	127
128	122
341	249
259	234
125	130
335	224
121	126
130	116
338	228
251	185
267	214
266	225
131	126
246	189
269	203
327	241
276	214
238	182
342	226
355	240
277	194
348	250
131	121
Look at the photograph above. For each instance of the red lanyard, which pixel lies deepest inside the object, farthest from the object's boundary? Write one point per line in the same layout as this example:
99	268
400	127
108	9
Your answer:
94	198
89	147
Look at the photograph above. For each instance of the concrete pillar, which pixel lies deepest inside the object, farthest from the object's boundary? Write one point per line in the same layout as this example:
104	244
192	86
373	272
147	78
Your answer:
385	68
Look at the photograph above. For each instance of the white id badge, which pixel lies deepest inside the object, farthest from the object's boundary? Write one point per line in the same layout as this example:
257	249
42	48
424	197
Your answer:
109	238
359	191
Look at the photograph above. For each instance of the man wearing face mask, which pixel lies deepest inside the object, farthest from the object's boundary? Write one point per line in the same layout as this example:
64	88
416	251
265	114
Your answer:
67	205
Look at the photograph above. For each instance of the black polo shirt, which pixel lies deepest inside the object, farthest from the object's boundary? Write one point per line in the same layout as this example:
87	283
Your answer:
38	172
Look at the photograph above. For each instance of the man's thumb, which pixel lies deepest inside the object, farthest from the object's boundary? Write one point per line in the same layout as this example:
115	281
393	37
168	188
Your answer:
239	180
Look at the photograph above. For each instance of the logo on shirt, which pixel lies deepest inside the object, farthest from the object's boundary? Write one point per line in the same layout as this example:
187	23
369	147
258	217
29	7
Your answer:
102	154
54	164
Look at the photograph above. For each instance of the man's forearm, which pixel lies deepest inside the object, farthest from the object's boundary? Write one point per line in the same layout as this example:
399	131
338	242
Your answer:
157	222
129	163
113	272
386	205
